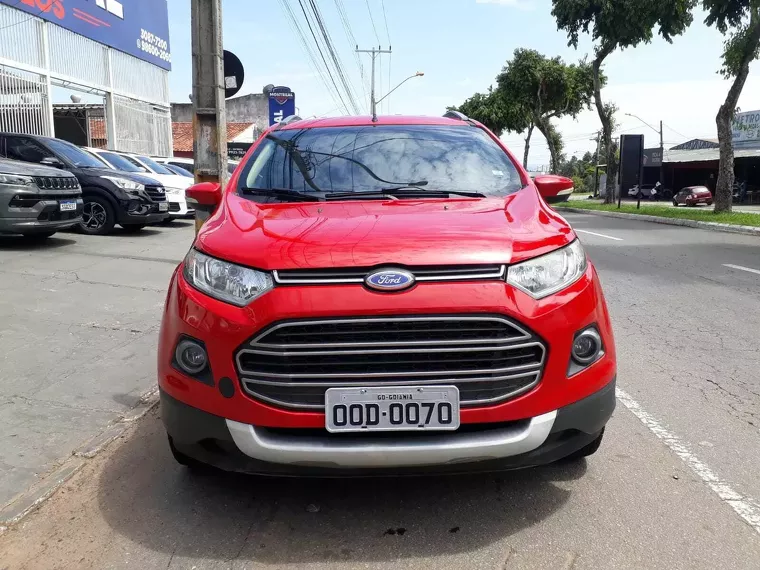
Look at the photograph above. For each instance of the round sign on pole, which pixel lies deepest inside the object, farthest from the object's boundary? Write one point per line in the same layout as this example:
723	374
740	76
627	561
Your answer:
234	74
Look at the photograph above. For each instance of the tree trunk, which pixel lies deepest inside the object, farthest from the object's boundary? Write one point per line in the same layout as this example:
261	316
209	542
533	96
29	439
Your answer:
608	149
527	146
544	128
724	188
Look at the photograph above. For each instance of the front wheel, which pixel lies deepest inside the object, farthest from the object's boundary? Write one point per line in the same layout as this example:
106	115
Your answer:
675	204
709	203
98	216
132	228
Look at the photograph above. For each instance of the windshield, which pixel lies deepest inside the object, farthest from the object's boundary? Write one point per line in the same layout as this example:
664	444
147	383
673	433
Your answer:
374	158
179	171
154	166
121	163
73	154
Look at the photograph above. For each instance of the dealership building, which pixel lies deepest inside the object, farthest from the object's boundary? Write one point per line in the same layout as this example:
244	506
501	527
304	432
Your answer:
115	54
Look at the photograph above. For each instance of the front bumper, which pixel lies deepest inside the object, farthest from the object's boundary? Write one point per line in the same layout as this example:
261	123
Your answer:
44	216
234	446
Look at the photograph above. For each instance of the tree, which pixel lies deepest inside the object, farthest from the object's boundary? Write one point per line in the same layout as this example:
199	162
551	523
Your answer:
740	21
499	115
618	24
544	89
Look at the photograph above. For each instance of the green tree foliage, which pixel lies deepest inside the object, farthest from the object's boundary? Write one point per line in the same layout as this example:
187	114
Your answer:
739	21
619	24
544	89
531	91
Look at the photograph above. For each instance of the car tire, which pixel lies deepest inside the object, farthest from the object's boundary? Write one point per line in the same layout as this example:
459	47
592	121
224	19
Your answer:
132	228
167	221
709	203
675	204
98	216
39	236
187	461
587	450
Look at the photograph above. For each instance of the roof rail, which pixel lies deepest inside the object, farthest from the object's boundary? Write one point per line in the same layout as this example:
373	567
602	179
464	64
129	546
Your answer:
456	115
286	121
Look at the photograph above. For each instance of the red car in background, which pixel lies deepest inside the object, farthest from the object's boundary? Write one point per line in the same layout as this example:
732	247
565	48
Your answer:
693	196
381	296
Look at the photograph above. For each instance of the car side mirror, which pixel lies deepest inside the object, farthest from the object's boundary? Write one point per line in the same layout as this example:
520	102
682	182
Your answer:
554	188
52	161
208	194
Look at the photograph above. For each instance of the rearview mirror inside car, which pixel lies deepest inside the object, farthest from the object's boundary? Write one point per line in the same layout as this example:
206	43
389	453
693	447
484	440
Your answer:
554	188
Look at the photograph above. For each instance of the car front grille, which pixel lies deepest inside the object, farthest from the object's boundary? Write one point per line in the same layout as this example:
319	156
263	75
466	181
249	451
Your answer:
56	182
421	273
488	357
156	193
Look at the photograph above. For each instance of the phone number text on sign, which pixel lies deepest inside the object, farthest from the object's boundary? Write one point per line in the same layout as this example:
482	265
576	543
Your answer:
152	44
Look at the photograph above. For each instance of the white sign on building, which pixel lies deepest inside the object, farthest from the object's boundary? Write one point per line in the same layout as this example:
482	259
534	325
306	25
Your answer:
746	127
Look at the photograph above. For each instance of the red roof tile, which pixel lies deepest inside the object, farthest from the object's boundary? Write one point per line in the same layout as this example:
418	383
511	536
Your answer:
183	134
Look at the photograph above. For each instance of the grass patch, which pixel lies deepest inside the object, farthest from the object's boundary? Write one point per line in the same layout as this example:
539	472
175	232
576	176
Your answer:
702	214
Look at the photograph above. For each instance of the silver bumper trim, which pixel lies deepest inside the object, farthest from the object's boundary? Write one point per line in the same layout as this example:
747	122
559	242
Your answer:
353	452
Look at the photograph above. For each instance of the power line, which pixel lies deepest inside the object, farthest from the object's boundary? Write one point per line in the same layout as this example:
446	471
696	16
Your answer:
322	55
293	20
334	56
352	42
676	132
387	33
371	19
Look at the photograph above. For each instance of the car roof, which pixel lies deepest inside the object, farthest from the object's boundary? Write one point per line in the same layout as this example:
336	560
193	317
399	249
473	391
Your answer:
366	120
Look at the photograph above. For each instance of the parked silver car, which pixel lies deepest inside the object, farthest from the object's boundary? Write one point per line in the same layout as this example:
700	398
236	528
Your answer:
37	200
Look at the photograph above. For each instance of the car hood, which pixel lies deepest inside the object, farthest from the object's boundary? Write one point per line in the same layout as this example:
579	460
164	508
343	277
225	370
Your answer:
172	181
369	233
145	179
29	169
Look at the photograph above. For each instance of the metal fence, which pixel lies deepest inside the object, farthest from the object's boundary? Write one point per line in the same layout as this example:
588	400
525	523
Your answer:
23	102
142	128
35	55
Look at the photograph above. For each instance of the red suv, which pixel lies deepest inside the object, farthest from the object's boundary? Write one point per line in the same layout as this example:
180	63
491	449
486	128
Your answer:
379	297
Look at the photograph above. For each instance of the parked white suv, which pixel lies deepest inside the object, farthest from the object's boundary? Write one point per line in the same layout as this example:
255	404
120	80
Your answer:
174	184
189	164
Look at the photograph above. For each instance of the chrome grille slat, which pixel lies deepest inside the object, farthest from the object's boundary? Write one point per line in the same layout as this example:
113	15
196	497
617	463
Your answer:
356	275
488	357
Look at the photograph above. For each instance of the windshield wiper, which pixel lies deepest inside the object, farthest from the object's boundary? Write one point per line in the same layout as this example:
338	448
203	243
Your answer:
283	193
403	191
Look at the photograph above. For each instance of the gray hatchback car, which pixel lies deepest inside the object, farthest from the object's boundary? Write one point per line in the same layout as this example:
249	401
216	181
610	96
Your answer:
37	200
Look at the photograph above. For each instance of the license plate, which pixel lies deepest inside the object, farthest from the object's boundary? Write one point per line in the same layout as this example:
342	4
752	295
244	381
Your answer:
68	206
163	207
397	408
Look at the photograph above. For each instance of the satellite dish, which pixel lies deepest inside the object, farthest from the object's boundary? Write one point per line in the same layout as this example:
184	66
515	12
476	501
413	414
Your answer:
76	99
267	89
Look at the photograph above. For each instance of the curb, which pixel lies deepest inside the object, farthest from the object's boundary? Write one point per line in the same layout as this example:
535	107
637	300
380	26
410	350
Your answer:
46	487
713	226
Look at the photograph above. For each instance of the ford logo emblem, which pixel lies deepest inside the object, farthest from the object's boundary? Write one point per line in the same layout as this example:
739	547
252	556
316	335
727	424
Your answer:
389	280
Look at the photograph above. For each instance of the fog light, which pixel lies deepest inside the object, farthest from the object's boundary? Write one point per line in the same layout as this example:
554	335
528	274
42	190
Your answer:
191	357
586	347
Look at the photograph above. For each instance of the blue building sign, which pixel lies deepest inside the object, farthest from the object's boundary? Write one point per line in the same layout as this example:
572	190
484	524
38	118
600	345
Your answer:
137	27
282	103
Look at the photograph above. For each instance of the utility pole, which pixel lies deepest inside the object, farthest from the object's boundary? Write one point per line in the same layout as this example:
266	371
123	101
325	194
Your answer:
662	160
374	53
596	164
209	108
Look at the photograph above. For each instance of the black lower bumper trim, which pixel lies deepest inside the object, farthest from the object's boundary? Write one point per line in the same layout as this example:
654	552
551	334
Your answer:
205	437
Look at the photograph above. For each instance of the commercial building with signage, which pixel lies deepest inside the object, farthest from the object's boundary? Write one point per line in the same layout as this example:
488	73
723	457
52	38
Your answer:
695	162
114	51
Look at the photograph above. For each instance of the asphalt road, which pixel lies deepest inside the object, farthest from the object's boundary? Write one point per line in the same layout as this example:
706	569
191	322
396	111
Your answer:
674	485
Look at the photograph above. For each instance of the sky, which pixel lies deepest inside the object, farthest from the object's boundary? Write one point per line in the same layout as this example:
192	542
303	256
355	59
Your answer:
460	46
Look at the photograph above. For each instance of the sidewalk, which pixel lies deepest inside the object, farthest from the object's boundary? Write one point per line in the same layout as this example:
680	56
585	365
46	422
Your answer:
746	209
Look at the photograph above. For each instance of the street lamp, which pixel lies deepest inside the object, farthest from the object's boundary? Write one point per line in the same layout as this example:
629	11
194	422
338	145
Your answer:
374	103
662	146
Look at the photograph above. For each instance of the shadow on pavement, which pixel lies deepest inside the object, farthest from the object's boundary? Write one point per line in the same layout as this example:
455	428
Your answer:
147	498
21	243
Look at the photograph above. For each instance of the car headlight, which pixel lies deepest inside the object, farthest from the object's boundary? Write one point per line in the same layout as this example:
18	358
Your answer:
225	281
16	180
549	273
125	183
